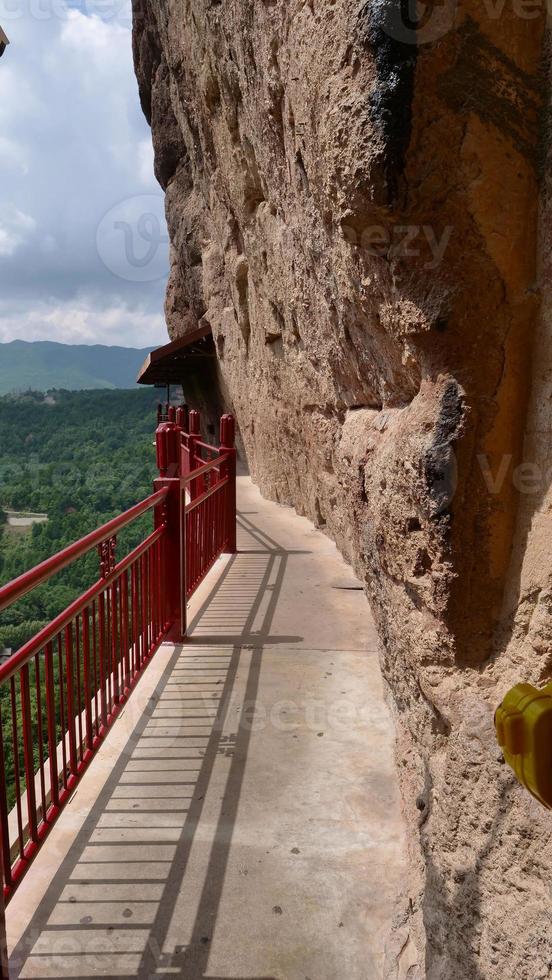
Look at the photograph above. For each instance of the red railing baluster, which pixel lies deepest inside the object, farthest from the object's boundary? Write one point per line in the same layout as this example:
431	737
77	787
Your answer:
102	659
108	651
161	584
4	809
187	521
80	747
51	724
62	688
151	593
86	678
197	549
134	617
193	551
95	665
155	591
28	754
5	875
115	642
150	602
124	633
70	665
38	687
147	602
17	780
143	609
203	532
154	585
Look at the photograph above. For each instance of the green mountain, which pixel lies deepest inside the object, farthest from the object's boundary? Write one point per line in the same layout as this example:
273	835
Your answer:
43	365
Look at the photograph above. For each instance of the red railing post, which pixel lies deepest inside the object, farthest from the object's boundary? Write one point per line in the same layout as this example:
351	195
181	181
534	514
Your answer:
182	417
170	513
167	445
227	447
173	600
194	429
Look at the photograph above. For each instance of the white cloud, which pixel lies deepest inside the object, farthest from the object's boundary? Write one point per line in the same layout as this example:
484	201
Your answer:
81	322
73	145
96	41
15	229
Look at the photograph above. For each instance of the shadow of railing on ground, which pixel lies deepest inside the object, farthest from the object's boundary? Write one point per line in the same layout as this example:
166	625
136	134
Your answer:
110	910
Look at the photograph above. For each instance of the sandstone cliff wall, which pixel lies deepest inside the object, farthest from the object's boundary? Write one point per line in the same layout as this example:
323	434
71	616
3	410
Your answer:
353	207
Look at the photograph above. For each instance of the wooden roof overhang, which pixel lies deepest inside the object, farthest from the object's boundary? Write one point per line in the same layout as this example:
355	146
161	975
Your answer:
169	364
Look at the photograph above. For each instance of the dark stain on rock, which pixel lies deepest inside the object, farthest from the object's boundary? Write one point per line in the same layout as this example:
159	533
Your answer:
451	413
391	103
483	80
440	470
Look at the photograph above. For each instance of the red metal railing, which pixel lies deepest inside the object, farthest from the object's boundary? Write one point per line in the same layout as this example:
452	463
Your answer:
208	532
63	689
204	495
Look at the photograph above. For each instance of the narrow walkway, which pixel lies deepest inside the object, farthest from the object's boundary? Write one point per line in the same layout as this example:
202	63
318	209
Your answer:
241	820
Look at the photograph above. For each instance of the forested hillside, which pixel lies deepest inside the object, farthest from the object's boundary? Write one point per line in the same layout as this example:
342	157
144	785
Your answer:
43	364
82	458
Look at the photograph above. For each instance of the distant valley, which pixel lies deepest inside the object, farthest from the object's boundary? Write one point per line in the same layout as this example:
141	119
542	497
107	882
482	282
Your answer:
42	365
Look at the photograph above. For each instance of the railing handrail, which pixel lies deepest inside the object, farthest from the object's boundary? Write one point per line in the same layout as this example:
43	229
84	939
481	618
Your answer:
20	586
29	649
206	468
207	446
204	496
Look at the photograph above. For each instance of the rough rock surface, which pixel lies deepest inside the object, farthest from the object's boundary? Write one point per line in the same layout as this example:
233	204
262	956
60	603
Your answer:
353	205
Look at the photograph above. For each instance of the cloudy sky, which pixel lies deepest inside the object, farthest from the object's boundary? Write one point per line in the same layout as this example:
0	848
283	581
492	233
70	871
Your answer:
83	245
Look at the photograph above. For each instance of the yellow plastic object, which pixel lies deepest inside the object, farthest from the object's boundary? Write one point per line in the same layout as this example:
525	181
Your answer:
524	731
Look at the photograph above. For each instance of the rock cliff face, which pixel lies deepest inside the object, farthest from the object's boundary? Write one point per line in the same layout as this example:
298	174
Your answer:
353	204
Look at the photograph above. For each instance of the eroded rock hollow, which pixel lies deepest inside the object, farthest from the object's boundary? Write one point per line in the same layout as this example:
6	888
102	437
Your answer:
358	207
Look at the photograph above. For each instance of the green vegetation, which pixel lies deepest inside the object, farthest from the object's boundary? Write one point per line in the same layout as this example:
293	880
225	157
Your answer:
82	458
43	365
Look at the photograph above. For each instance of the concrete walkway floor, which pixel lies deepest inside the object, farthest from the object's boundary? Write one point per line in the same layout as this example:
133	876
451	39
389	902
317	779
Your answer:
242	818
